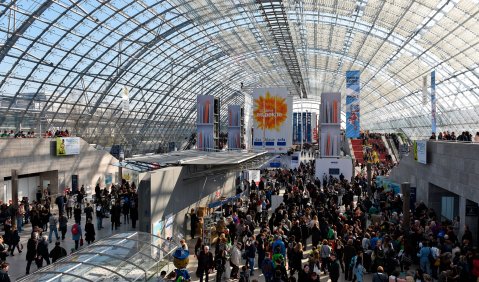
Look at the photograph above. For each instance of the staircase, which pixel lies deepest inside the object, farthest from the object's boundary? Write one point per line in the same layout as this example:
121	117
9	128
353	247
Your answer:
357	150
380	143
390	148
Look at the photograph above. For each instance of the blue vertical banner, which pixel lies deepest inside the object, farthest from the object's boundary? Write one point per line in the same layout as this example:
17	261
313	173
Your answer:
303	127
308	128
433	101
295	128
352	104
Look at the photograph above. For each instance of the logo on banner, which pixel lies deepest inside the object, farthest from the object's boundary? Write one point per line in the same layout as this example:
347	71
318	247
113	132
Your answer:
270	111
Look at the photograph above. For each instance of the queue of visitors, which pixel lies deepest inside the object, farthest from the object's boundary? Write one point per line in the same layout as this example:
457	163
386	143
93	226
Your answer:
465	136
346	229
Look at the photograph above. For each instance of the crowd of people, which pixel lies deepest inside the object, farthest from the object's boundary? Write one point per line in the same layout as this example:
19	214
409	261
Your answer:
31	134
341	228
465	136
49	217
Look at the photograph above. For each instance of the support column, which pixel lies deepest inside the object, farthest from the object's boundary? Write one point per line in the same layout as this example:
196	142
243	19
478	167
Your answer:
462	215
14	193
406	192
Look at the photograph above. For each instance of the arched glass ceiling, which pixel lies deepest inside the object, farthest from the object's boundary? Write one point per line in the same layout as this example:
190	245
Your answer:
65	63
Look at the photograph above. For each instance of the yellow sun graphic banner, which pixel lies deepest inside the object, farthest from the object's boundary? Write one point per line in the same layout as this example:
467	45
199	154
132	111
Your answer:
272	110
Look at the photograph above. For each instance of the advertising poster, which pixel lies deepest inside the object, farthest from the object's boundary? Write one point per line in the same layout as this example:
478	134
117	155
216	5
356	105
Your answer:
352	104
433	101
205	114
108	179
420	147
169	225
272	111
68	146
234	127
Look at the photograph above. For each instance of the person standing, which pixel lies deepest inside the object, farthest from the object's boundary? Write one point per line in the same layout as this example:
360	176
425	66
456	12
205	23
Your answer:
333	268
250	250
100	213
115	215
53	221
60	201
32	245
220	265
235	260
63	221
205	263
89	232
88	211
76	234
4	272
193	222
133	214
380	276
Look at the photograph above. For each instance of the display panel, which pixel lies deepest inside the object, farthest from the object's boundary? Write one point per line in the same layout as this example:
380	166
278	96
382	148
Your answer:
68	146
272	111
352	104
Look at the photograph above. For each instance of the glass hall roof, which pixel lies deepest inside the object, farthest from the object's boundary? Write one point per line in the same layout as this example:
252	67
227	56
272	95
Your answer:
70	63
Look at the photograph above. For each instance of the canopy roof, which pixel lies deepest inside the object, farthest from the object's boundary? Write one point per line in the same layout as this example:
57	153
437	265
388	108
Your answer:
69	63
131	256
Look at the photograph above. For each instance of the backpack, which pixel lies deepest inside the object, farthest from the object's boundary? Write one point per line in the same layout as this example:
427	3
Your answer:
75	230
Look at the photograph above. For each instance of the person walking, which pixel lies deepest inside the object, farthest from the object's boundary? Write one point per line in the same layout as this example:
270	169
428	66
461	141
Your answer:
89	211
250	251
220	265
235	260
32	245
205	263
42	251
89	232
70	205
63	221
100	214
77	234
14	241
380	276
359	270
53	221
77	213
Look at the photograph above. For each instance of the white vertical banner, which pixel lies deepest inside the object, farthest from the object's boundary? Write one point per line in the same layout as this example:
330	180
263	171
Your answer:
424	90
125	100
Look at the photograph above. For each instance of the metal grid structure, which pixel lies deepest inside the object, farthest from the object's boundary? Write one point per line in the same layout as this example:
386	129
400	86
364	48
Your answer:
130	256
66	63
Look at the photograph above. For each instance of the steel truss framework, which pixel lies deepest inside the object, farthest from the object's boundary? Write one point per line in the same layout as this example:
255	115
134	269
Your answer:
66	63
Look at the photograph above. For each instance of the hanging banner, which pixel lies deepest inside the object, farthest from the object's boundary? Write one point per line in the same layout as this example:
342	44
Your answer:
125	100
272	111
205	137
424	90
309	132
433	101
234	127
352	104
295	128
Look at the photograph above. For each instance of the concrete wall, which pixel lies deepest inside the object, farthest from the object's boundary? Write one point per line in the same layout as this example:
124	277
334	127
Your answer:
37	155
175	190
453	167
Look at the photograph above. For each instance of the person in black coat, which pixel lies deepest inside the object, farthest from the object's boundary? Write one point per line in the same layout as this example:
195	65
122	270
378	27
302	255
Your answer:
205	263
115	215
334	268
133	214
14	240
31	250
57	252
3	249
89	232
193	223
77	213
42	251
